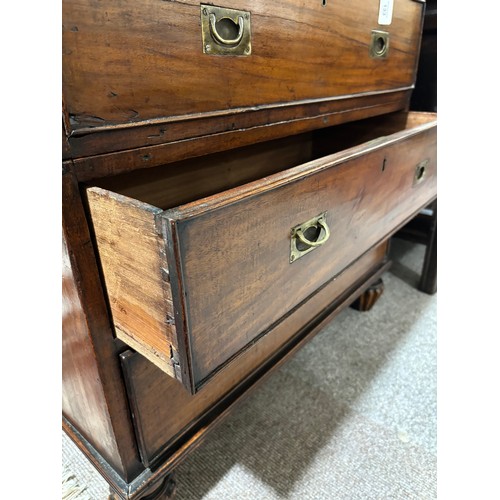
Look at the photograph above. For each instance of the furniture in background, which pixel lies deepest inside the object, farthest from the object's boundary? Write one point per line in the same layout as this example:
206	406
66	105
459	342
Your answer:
423	228
231	180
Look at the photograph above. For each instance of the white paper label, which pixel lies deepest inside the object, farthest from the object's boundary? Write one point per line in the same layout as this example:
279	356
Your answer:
385	12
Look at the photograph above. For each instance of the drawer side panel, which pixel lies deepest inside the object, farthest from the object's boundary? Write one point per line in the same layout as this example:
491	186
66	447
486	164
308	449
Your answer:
135	274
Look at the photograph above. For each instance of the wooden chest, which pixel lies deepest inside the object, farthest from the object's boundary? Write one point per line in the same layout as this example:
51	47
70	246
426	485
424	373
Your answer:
135	74
231	179
138	61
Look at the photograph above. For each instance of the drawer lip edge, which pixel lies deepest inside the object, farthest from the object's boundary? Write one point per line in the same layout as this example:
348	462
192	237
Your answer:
76	132
121	198
179	297
224	198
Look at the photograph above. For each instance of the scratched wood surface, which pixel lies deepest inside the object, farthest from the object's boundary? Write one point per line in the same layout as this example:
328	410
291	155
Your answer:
129	62
228	254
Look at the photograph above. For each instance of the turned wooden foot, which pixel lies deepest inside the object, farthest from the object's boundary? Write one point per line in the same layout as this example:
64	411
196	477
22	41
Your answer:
165	491
369	297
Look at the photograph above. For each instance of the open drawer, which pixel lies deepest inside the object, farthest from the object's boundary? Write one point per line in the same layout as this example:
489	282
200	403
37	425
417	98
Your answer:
202	258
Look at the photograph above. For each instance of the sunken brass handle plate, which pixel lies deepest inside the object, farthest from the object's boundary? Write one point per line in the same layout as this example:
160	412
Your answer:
379	45
307	236
225	31
420	172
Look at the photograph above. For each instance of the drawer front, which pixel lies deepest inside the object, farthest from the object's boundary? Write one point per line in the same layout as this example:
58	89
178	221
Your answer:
234	273
131	62
163	411
194	286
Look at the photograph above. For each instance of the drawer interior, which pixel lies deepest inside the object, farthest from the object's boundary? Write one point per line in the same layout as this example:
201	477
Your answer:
186	181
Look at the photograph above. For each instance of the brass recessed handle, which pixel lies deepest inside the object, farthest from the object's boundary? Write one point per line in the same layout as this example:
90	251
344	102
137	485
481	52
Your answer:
420	172
321	223
225	32
225	41
379	46
309	235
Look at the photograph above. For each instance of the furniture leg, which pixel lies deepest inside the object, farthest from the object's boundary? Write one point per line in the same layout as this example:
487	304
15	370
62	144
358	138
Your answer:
428	278
422	229
369	297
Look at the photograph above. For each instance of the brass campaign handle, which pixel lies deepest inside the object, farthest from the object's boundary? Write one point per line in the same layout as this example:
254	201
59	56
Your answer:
320	222
225	32
300	244
420	172
225	41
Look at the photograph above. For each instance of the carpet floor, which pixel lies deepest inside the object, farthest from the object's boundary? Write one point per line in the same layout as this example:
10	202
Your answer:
351	416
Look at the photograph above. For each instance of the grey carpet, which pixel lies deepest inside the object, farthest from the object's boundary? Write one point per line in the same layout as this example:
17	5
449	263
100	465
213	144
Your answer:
351	416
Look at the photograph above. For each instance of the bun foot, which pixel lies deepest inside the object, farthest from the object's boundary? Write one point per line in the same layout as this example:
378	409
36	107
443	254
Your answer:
369	297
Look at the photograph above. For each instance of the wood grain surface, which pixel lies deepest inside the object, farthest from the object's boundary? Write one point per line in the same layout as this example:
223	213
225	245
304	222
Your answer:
131	62
236	279
110	154
162	408
197	167
179	183
136	274
80	371
93	392
152	144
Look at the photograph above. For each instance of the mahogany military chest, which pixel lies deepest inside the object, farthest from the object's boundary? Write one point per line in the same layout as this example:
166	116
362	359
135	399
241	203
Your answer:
231	178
